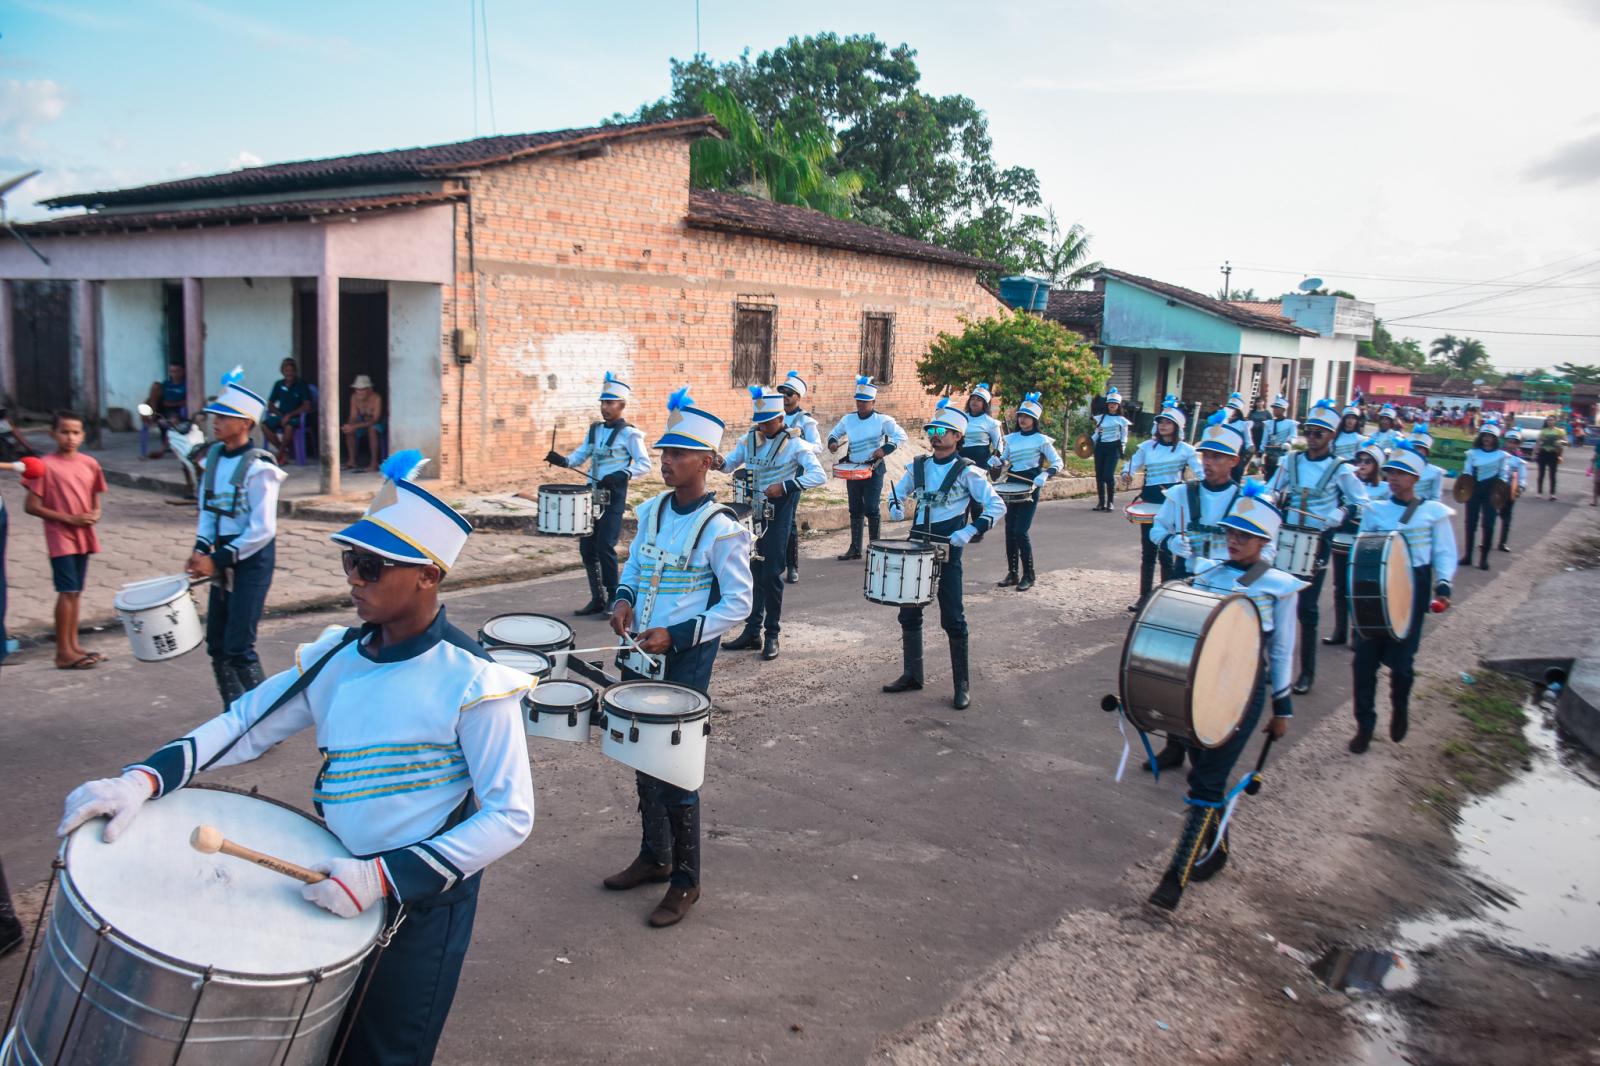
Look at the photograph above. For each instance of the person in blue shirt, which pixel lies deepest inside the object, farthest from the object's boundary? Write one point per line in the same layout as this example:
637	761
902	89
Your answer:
1516	477
868	436
1487	465
984	439
288	406
1163	459
803	426
170	399
1033	461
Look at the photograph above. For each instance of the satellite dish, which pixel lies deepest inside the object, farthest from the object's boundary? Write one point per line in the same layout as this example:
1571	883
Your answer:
1477	381
5	221
1311	285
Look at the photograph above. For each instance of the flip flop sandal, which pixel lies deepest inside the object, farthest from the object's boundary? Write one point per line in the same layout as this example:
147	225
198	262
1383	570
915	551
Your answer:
88	662
96	656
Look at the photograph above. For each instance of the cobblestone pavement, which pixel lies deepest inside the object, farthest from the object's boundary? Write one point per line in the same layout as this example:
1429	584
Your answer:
143	536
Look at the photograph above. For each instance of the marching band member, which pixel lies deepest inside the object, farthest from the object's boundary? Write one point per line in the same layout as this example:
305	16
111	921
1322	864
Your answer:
1319	489
685	584
1163	459
869	437
985	438
1189	525
236	537
1486	463
1389	434
613	462
800	424
1426	527
1280	431
781	467
405	680
943	483
1033	458
1369	458
1516	476
1350	433
1109	435
1431	485
1236	413
1252	526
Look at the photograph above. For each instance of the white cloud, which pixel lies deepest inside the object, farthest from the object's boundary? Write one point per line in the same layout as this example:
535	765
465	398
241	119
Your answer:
26	105
244	159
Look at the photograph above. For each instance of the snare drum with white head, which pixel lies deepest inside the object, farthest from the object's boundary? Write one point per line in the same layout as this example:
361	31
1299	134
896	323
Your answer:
658	728
160	618
1015	492
566	510
1299	551
1142	512
525	659
559	710
156	952
901	572
550	637
1382	586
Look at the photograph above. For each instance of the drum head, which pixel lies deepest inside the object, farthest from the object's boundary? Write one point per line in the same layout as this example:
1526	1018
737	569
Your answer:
902	547
525	659
153	888
152	593
1226	669
656	701
562	694
563	489
528	631
1399	586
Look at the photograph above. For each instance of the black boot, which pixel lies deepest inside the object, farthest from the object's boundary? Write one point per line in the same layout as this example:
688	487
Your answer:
748	639
597	593
250	674
791	574
1211	865
854	551
1504	548
1171	756
958	672
1338	636
769	649
674	906
910	678
228	684
10	924
874	524
1197	826
1011	567
1303	683
1027	570
1360	742
1483	557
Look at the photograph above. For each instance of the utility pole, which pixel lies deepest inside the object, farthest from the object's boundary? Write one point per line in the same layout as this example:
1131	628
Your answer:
1227	277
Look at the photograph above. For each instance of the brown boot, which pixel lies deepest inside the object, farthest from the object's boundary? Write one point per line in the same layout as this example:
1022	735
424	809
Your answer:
639	872
674	905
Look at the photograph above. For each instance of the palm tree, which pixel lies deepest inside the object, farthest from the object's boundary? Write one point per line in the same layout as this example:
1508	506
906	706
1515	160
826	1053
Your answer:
1065	260
1468	354
777	164
1444	347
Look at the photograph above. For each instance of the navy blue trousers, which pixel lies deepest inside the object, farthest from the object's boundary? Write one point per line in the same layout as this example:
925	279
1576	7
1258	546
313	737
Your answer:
399	1020
1479	508
1308	607
1397	655
1211	767
232	616
1106	454
600	546
866	495
952	612
1148	553
1019	520
670	816
767	573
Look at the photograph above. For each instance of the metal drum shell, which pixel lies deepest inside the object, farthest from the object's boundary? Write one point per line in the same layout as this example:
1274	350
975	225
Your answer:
1013	492
566	510
1342	543
1141	512
558	721
163	629
1160	660
921	591
548	648
1298	551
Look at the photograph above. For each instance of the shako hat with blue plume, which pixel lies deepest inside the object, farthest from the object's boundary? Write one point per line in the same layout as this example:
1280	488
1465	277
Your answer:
865	389
235	400
1323	415
1031	406
1252	514
1407	460
949	416
408	523
689	427
614	388
767	404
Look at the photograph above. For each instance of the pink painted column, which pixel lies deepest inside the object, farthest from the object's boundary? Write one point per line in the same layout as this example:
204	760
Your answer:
86	308
8	350
194	343
328	380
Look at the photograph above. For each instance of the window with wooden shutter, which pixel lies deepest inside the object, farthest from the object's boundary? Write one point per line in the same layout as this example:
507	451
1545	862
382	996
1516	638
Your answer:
877	346
752	343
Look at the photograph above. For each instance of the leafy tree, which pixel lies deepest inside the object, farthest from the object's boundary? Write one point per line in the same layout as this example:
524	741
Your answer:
1248	295
772	164
1015	353
1444	347
1579	375
1064	258
1470	353
926	161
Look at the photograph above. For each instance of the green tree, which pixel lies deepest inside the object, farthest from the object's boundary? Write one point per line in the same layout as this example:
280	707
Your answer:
1470	354
1248	295
772	164
1579	375
1444	348
1015	353
926	161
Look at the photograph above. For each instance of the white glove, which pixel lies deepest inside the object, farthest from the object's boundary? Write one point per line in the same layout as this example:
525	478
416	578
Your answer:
352	886
1039	480
120	797
960	537
1179	545
896	513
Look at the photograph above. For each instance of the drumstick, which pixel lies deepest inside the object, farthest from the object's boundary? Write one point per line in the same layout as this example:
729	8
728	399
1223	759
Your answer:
209	840
1255	779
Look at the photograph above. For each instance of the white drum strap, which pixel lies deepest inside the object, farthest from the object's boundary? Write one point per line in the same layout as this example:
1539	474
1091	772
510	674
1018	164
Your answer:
662	558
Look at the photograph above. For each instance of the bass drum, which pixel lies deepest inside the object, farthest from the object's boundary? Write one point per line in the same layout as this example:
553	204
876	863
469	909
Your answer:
1191	664
1382	587
157	953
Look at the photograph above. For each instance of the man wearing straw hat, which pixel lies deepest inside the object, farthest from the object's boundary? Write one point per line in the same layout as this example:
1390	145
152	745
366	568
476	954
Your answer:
404	680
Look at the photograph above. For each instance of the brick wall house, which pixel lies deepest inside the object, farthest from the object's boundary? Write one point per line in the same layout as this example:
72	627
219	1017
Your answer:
561	255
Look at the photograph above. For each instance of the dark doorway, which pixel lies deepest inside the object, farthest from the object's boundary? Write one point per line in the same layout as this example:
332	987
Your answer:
1163	367
172	324
42	343
363	341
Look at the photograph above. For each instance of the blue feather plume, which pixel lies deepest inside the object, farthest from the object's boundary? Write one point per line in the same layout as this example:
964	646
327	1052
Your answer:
983	385
403	465
680	399
1253	488
1032	397
944	401
233	377
1169	400
1217	418
864	379
755	392
610	376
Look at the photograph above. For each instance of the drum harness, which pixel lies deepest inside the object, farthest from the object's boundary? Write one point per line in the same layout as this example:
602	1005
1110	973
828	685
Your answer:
602	496
760	506
1317	494
660	561
927	501
241	470
1194	526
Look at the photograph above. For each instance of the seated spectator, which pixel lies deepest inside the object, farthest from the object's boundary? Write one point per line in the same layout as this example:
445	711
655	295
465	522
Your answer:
288	406
169	399
366	420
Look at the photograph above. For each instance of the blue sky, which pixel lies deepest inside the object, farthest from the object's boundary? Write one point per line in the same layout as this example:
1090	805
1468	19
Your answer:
1368	142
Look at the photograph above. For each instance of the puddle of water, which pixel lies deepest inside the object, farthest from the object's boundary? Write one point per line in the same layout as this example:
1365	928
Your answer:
1534	847
1380	1035
1364	970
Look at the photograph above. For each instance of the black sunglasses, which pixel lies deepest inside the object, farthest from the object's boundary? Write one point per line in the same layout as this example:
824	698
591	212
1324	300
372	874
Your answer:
368	567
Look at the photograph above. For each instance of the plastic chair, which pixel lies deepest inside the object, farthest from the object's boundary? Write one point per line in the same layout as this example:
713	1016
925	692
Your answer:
301	428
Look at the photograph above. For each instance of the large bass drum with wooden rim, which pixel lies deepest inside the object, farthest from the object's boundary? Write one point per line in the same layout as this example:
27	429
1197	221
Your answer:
1382	587
1191	663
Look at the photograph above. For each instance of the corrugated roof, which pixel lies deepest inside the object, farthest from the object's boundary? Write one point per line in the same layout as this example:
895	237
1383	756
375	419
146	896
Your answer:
1268	308
1075	306
732	213
399	164
230	215
1222	309
1378	366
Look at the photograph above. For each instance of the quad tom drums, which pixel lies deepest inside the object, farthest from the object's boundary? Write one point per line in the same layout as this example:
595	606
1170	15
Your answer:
568	510
1299	550
1192	663
160	618
559	710
550	637
658	728
1382	585
901	573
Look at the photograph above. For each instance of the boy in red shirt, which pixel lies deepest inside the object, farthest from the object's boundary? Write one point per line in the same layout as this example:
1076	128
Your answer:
67	497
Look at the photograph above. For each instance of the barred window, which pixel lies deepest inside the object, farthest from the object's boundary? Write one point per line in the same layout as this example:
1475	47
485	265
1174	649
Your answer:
877	346
752	343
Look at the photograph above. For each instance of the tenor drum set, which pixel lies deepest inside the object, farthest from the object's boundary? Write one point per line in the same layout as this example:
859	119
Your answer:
160	618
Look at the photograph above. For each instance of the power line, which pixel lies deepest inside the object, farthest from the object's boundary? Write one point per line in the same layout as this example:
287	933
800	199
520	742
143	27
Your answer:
488	68
1587	268
1431	281
1486	282
1506	332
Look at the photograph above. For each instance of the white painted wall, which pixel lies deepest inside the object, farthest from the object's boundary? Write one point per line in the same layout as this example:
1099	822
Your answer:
132	341
1325	352
415	346
249	325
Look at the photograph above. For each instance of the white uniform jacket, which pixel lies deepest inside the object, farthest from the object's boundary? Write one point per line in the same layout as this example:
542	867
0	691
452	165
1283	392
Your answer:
1204	530
782	460
687	571
1276	595
807	426
1428	534
1323	487
610	448
1029	452
984	428
1486	466
941	515
1345	445
1164	464
1280	433
237	520
1109	427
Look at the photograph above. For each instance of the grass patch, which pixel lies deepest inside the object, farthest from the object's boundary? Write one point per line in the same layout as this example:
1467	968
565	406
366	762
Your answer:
1489	745
1584	553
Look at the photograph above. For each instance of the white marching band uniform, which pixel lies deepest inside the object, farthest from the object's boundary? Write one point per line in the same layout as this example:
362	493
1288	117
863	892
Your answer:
688	573
1029	451
610	450
936	509
1324	487
783	460
1275	595
1163	464
866	435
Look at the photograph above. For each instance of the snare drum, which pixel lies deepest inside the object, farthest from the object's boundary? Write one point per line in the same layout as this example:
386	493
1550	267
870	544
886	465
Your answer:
1142	512
566	510
550	637
559	710
1382	586
849	471
658	728
156	952
1299	549
1014	492
901	572
160	618
1191	664
525	659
